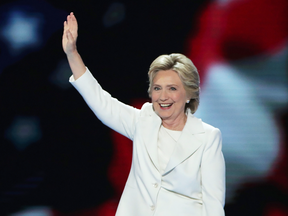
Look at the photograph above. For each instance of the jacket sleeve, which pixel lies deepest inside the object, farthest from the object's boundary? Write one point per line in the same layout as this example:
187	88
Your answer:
111	112
213	176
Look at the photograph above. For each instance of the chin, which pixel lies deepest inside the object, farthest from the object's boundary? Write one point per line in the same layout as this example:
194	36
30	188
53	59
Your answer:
164	117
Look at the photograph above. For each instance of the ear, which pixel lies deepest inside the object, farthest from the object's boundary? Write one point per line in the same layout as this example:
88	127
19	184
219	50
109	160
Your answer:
188	98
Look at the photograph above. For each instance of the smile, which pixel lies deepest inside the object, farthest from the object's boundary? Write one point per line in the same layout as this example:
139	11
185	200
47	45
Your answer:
165	105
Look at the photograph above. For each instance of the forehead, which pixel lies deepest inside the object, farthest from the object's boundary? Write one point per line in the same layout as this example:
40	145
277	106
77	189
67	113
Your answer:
167	77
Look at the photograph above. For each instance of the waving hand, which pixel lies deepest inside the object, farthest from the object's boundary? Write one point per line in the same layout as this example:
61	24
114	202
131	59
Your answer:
70	34
69	39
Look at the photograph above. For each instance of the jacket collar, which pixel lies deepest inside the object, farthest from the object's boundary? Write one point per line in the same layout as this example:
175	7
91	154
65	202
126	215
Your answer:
187	144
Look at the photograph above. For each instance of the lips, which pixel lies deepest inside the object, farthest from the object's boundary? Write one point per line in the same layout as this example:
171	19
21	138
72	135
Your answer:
165	105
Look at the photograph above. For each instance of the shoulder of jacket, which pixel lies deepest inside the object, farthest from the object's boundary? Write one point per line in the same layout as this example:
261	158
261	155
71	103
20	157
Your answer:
147	109
207	127
210	129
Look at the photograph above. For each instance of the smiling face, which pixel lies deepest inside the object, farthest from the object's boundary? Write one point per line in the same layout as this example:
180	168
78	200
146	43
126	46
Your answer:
169	97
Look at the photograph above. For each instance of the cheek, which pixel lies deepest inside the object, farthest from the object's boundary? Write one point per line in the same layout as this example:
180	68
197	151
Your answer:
176	97
180	97
153	97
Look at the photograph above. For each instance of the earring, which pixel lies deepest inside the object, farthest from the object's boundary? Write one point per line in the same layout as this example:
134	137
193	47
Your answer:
187	101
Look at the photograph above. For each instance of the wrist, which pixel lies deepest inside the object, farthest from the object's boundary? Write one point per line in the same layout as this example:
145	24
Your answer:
72	54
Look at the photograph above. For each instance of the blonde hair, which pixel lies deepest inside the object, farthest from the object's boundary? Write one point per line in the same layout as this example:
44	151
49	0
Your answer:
187	72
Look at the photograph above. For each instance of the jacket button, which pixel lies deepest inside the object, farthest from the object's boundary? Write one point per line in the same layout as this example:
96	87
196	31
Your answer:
152	208
155	185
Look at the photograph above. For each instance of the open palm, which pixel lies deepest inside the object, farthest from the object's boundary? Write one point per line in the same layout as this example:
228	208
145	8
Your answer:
70	34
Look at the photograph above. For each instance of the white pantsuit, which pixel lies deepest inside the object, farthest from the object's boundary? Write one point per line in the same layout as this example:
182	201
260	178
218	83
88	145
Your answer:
193	183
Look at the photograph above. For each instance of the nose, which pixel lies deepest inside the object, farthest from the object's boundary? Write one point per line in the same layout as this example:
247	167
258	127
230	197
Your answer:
163	95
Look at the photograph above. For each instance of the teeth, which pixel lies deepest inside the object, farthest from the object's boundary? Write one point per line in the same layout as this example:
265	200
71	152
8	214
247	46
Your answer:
165	105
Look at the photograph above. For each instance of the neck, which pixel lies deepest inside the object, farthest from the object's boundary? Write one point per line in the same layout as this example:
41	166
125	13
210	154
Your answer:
176	124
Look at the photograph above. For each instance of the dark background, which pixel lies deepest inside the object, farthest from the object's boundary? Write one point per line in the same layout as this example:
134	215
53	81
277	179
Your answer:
65	167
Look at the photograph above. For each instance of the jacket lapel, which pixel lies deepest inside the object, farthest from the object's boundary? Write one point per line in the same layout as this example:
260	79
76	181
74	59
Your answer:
189	141
149	129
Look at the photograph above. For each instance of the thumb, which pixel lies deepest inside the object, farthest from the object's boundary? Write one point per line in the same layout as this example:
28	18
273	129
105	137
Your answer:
69	35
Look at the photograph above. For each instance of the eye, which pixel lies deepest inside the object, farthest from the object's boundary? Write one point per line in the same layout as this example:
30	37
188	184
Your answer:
173	89
156	88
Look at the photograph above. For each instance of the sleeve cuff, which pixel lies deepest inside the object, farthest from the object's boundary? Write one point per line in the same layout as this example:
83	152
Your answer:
87	72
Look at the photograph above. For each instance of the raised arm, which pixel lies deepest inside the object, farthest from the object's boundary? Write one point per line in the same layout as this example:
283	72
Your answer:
70	34
116	115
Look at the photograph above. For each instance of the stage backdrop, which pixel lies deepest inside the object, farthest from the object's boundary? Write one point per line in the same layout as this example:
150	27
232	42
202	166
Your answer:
56	157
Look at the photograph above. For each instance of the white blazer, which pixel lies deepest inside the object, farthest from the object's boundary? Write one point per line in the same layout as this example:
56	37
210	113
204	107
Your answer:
193	183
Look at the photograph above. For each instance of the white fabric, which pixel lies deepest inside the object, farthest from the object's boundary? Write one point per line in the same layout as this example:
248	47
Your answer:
193	182
174	134
166	143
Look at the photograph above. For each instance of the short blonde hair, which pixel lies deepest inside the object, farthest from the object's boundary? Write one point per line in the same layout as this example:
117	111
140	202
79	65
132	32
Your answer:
187	72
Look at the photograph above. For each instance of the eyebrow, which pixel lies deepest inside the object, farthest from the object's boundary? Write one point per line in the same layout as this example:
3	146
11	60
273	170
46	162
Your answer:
166	85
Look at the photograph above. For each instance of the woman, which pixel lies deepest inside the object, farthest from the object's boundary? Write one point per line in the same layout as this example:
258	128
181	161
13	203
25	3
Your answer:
177	166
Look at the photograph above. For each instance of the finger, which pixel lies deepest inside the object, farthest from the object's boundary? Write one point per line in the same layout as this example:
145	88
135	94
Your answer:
73	22
65	28
72	16
68	19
